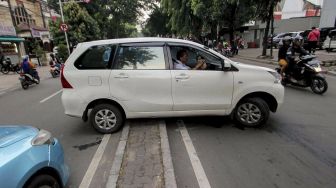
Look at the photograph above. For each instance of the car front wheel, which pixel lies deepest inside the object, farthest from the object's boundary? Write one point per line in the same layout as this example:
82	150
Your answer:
106	118
43	181
251	112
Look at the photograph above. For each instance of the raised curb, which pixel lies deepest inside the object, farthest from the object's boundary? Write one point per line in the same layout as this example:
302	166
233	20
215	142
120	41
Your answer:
168	168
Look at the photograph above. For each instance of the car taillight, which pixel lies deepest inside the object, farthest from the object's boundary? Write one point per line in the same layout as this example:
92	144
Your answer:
65	83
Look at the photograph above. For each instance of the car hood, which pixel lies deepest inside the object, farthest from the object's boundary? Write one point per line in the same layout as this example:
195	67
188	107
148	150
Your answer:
254	67
10	134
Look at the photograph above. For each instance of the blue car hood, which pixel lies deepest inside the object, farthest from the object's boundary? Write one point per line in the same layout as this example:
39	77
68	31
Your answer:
12	134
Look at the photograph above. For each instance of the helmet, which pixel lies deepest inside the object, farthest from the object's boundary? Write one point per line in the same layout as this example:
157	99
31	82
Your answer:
297	40
25	58
286	40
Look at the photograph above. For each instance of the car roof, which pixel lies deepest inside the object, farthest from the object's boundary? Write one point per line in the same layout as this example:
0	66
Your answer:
138	40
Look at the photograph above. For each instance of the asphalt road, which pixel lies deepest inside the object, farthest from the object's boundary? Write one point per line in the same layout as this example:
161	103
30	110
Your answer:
295	149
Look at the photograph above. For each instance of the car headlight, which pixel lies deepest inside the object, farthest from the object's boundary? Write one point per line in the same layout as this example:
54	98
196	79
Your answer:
43	137
276	75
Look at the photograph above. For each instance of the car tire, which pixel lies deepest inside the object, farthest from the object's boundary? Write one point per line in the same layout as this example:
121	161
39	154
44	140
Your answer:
106	118
43	181
251	112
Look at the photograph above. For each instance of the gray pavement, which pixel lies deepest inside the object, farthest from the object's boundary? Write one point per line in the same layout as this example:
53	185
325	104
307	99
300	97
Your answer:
11	80
142	163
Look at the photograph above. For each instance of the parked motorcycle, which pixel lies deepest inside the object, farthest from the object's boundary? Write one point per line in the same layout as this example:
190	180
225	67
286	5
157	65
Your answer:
27	80
307	73
9	66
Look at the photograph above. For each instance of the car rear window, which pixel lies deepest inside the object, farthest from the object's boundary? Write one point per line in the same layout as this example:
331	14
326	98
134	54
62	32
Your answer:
96	57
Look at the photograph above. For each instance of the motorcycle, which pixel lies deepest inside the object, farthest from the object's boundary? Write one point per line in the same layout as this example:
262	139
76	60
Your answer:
306	73
54	71
9	66
27	79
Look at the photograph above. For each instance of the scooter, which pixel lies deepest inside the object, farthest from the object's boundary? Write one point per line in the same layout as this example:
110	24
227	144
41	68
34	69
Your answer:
54	71
27	79
9	66
306	73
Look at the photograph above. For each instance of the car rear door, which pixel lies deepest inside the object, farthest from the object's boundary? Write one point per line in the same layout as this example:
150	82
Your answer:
141	78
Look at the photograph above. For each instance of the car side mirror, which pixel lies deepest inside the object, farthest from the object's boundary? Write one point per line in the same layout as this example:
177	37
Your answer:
226	66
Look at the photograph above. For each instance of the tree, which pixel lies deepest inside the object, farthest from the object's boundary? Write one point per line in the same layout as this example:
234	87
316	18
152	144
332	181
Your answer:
156	23
82	27
265	14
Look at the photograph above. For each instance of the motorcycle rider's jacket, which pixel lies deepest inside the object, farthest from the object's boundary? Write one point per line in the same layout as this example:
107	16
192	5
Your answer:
294	52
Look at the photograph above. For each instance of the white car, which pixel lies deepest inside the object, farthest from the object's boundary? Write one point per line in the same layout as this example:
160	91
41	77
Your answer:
109	81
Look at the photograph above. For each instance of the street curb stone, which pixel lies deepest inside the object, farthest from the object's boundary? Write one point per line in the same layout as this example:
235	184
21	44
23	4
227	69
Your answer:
168	168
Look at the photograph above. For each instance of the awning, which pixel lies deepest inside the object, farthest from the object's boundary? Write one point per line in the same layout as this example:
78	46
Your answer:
11	39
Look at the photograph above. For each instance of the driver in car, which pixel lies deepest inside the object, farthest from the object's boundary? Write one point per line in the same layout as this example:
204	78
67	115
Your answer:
182	60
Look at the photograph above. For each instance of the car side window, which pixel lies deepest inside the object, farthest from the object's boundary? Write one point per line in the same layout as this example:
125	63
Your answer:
96	57
213	62
140	58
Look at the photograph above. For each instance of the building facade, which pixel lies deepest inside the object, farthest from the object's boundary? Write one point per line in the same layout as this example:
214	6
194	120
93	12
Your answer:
328	15
28	21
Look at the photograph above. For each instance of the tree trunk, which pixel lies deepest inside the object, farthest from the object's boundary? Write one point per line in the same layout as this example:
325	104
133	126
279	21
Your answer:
232	21
268	21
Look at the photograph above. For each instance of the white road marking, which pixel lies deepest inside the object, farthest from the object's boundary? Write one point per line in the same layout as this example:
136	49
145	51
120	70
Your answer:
201	177
51	96
86	181
169	176
118	158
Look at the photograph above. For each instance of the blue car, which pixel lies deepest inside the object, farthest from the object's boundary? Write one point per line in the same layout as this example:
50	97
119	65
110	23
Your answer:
30	157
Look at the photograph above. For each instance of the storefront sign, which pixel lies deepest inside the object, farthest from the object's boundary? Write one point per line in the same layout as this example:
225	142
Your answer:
35	33
6	30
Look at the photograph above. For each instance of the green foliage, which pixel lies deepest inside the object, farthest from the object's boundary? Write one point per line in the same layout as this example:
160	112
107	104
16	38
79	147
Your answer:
62	51
156	24
82	27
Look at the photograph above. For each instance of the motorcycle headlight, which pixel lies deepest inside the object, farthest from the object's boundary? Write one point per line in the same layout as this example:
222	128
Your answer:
43	137
276	75
317	69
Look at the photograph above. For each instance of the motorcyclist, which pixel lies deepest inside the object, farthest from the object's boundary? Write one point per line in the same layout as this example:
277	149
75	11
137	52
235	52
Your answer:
54	62
28	67
283	53
293	52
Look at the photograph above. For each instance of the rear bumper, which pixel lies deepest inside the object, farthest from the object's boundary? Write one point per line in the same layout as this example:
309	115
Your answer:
73	104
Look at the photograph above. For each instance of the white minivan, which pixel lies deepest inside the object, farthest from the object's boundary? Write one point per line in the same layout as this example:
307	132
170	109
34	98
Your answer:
108	81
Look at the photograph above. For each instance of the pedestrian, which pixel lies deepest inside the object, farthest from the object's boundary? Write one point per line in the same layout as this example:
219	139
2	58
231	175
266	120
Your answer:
313	38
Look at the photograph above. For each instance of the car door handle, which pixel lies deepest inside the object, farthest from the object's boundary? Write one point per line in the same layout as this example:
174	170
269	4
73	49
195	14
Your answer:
121	75
181	77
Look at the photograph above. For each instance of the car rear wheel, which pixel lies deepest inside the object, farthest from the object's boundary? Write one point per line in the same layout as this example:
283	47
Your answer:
251	112
106	118
44	181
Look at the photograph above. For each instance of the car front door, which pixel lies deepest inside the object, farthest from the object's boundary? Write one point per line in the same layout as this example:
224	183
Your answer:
141	78
209	89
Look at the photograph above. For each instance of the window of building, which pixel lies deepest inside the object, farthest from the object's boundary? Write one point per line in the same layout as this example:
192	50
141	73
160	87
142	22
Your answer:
21	16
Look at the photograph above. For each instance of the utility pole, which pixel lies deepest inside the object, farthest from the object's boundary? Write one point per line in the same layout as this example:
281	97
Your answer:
44	24
65	33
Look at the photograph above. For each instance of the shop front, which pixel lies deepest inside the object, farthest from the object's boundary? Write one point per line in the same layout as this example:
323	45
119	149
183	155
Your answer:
11	45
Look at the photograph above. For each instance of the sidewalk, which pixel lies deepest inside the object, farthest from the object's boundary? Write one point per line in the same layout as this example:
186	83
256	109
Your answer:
11	80
328	60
